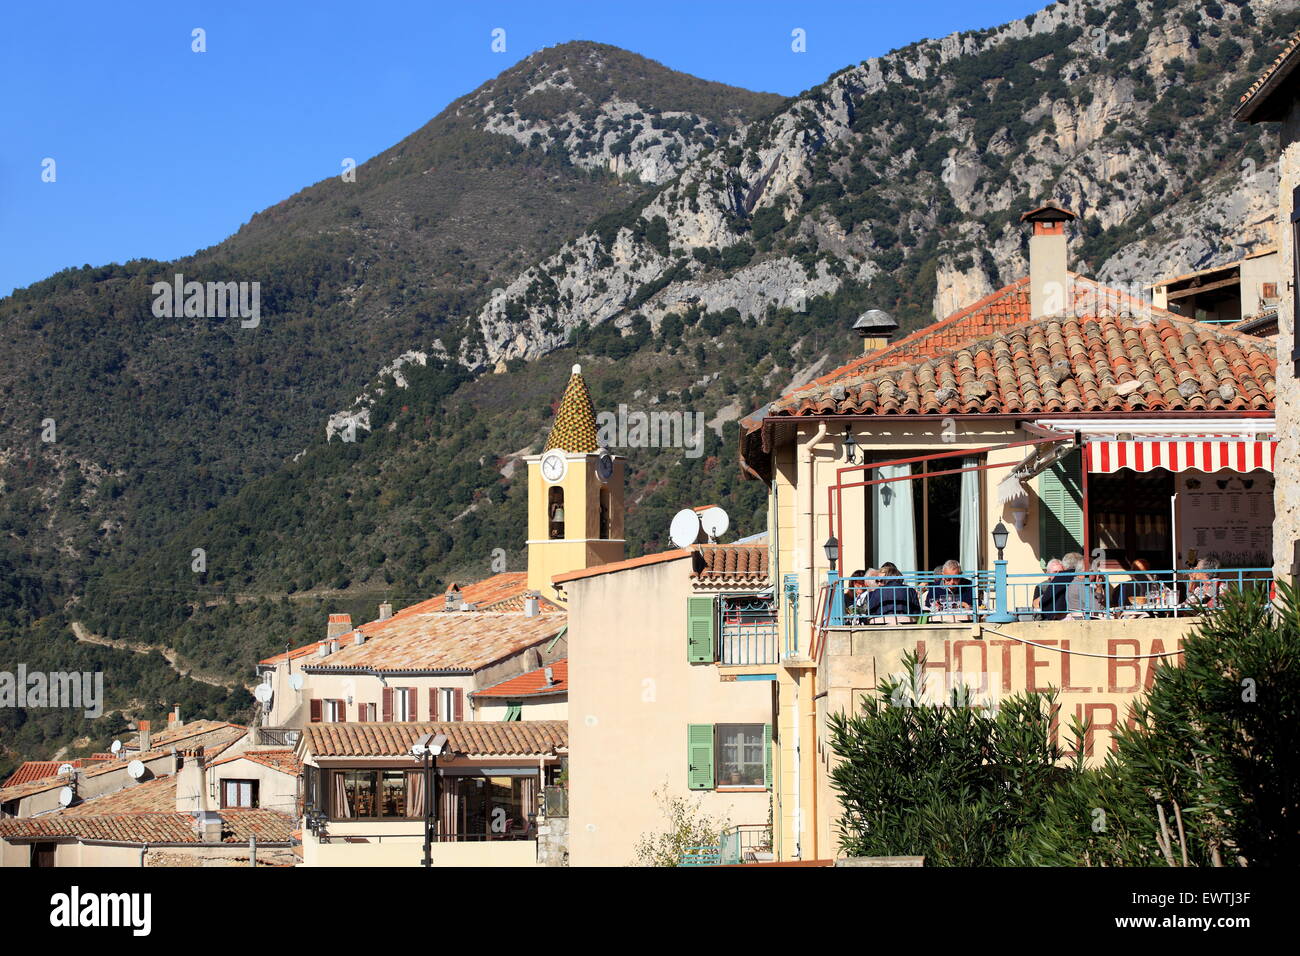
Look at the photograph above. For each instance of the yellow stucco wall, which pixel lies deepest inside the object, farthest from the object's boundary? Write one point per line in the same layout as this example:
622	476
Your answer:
408	850
582	546
632	695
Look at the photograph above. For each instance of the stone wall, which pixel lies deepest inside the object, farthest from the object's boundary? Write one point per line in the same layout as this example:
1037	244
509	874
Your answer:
1286	490
553	841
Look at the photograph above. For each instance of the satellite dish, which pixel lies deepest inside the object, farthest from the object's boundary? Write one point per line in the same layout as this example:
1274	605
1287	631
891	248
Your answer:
66	796
295	681
66	769
685	529
715	522
263	693
115	746
135	770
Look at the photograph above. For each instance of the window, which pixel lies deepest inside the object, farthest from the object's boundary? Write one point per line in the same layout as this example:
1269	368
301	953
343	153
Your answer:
742	756
237	794
375	794
555	512
490	808
514	710
604	513
367	712
404	704
447	703
335	711
722	756
927	517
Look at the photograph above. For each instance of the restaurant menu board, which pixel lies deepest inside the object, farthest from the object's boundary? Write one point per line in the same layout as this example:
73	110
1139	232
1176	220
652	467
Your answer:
1228	515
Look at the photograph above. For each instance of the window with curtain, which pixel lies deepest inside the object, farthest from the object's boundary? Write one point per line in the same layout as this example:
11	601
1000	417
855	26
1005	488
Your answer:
932	517
741	755
241	794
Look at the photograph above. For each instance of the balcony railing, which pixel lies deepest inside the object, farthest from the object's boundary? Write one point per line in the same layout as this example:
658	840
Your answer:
927	598
744	843
747	632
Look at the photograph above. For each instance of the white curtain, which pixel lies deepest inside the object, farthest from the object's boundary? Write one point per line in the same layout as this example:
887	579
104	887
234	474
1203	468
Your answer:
415	793
893	519
969	555
342	809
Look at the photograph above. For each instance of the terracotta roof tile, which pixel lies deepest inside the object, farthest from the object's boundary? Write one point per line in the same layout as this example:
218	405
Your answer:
285	761
501	592
1259	92
1095	364
531	684
268	826
156	796
479	738
732	561
612	566
434	640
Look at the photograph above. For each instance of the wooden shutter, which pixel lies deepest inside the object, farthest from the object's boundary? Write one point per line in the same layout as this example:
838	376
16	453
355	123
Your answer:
433	705
1060	508
459	703
699	756
362	716
699	629
388	705
315	710
767	755
341	710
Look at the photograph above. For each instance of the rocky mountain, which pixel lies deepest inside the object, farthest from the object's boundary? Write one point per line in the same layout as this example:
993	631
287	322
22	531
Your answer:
698	248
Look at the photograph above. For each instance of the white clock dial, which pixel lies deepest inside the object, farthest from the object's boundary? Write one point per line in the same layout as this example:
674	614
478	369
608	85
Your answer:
554	466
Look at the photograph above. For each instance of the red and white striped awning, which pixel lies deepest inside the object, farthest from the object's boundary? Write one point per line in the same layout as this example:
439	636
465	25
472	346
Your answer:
1186	454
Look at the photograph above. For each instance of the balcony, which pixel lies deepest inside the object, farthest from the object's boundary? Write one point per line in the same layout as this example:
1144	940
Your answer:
744	843
993	597
747	630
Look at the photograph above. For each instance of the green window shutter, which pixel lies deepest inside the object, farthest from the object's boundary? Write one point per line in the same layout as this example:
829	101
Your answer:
1060	508
767	755
513	710
699	629
699	756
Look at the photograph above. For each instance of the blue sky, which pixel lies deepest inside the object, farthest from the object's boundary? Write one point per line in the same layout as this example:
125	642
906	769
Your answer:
159	150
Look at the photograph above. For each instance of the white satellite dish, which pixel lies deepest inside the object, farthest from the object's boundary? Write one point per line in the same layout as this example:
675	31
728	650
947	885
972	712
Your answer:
263	693
115	746
715	522
295	681
685	529
66	796
66	769
135	770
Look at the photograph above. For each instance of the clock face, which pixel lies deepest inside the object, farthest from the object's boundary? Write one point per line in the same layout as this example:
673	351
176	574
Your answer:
604	467
554	466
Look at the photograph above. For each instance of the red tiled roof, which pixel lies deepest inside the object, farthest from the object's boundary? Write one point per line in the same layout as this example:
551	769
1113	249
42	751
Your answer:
1253	104
531	684
612	566
1096	364
285	761
731	561
501	592
480	738
268	826
434	640
39	769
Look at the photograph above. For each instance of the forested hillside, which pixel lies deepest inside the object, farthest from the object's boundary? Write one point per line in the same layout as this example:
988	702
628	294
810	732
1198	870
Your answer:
698	248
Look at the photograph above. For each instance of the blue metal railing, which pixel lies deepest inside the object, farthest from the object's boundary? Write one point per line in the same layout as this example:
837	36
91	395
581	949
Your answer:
748	633
928	598
790	589
742	843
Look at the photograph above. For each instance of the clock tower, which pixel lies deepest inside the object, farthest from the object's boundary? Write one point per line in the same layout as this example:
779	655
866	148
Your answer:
575	495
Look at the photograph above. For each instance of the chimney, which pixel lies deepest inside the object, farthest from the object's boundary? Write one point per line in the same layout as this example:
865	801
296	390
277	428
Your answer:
385	611
531	604
1049	279
550	676
876	328
192	796
142	735
174	718
359	639
452	600
339	624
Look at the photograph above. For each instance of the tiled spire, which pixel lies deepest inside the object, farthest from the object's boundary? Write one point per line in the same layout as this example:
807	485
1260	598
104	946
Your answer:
575	423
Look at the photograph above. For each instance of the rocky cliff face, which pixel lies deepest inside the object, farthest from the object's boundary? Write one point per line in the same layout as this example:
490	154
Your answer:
897	183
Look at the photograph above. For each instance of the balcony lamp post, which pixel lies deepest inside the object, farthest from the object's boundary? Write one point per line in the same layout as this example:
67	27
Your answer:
428	748
1000	613
836	609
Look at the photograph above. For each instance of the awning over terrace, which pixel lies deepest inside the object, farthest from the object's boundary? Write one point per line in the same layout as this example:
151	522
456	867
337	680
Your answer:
1209	455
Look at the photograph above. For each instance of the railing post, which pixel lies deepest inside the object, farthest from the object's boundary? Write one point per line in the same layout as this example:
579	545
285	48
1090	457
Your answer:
836	610
1000	613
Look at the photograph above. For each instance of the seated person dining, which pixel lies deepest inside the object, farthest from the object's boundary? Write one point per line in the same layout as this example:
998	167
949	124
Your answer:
891	596
1050	597
950	591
